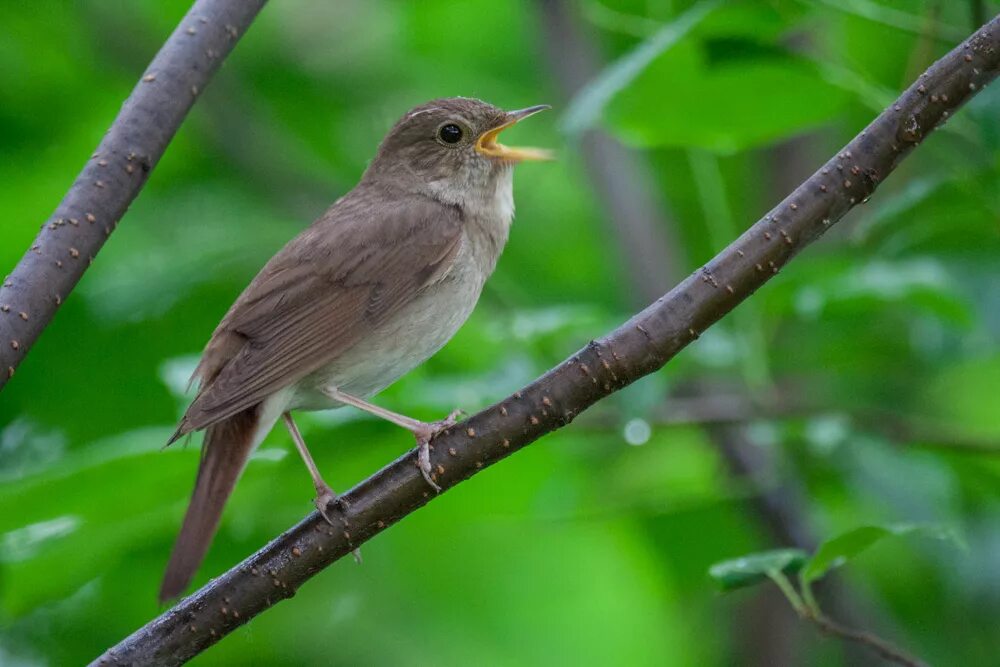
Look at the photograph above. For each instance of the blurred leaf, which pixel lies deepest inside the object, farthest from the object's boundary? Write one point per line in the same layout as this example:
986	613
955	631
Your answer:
895	204
838	550
754	568
964	397
734	104
871	288
900	20
587	106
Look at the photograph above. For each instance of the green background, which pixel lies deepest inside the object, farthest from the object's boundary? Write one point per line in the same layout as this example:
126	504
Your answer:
867	373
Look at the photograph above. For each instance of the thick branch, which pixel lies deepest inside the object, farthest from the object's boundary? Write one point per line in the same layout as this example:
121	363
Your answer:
116	172
639	347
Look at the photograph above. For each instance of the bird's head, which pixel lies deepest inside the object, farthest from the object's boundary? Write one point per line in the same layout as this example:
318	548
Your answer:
448	147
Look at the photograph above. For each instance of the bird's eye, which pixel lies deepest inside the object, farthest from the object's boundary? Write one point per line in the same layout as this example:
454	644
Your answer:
450	133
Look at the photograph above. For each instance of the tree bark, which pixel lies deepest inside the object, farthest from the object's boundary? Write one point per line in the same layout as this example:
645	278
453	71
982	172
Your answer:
116	172
638	347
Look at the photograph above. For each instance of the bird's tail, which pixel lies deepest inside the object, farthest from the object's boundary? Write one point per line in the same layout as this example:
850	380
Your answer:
227	447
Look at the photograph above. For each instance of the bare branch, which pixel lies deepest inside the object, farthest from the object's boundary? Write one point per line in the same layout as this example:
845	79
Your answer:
869	640
116	172
638	347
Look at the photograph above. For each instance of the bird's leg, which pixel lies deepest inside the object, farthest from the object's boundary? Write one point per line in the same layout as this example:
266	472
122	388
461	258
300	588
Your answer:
324	494
422	431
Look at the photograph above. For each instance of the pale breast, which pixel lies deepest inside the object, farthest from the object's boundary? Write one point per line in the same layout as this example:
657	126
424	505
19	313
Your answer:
407	339
422	327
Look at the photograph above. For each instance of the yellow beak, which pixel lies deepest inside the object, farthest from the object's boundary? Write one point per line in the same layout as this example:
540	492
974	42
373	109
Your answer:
487	143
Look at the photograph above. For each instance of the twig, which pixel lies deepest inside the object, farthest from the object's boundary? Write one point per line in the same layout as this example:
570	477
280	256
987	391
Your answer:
116	172
638	347
807	609
874	642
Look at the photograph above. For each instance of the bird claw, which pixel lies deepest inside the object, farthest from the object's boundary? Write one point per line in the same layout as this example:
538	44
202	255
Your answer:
424	435
424	463
325	496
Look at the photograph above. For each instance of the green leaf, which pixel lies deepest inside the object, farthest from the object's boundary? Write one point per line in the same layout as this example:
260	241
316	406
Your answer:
586	107
686	99
838	550
754	568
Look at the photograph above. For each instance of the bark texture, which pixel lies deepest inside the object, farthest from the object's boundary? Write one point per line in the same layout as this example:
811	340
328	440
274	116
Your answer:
115	173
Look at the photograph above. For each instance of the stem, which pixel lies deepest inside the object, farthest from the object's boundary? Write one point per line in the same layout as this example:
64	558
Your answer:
808	598
874	642
778	577
806	607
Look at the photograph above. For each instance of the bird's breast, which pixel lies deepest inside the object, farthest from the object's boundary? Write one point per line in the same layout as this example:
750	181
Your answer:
407	338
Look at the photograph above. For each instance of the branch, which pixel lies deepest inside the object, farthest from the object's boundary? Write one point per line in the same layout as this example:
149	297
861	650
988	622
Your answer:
645	236
807	609
638	347
883	648
116	172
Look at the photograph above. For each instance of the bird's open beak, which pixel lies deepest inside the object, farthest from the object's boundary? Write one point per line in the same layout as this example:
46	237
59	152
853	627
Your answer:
487	143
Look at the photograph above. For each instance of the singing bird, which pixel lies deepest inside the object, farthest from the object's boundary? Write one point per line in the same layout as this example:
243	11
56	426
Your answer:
373	288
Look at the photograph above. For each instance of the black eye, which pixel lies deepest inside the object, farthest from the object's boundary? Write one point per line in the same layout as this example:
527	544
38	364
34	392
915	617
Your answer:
450	133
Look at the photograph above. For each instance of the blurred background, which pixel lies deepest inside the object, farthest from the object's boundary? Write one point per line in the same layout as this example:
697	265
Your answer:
858	388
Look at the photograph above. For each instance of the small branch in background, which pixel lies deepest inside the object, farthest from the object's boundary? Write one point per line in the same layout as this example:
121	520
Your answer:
116	172
779	506
779	503
925	45
920	432
978	11
722	408
645	237
880	646
809	611
635	349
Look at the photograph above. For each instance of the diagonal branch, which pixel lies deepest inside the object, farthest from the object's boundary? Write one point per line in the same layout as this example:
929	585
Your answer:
638	347
116	172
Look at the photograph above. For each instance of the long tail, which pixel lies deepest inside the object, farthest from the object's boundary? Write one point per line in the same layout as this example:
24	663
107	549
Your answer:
227	447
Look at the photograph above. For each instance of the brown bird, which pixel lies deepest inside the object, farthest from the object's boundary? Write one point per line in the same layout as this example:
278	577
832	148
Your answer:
370	290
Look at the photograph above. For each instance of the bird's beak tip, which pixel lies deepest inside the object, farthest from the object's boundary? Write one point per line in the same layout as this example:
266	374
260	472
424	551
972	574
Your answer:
487	143
520	114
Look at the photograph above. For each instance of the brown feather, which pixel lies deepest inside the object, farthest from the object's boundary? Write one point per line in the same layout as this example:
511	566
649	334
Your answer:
371	289
224	455
371	253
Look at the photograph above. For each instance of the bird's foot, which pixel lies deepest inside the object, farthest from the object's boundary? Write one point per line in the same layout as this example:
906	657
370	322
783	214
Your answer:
327	498
424	434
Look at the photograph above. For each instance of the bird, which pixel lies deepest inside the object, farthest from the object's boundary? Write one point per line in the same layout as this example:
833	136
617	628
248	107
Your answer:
370	290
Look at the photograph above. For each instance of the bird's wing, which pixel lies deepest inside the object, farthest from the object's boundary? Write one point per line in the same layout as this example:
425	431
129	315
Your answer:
322	293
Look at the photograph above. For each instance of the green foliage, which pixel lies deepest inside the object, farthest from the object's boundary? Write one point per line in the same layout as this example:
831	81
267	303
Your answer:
755	568
590	102
840	549
864	375
703	79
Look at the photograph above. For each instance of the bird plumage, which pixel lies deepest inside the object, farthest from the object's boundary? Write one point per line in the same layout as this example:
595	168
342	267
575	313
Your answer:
367	292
